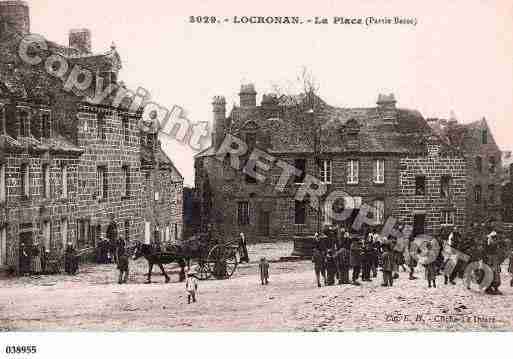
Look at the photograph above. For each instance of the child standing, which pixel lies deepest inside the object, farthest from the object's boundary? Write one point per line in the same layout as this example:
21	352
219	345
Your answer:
319	266
264	271
331	268
388	267
510	268
342	258
191	287
122	265
430	268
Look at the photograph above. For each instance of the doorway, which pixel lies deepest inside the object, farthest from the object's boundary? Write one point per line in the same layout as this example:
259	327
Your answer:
419	222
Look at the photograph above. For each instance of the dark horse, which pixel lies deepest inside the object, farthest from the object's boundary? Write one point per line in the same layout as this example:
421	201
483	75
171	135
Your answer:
159	258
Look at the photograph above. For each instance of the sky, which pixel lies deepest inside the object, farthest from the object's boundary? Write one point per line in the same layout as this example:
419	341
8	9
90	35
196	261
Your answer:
458	58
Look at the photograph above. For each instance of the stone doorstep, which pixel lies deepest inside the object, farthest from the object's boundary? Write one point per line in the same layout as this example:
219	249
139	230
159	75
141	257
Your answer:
289	259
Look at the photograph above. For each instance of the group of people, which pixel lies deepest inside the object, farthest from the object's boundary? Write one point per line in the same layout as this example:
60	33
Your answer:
35	259
338	252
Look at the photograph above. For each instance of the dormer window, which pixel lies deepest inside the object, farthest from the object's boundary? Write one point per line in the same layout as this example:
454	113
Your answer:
24	123
46	124
2	119
101	126
484	136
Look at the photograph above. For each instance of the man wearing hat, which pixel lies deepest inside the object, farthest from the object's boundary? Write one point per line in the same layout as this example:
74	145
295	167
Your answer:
191	286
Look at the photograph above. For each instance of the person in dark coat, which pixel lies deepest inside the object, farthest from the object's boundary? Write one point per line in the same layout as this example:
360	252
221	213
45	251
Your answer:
243	249
122	265
342	259
70	260
493	259
263	266
319	266
24	260
356	260
367	259
388	267
331	268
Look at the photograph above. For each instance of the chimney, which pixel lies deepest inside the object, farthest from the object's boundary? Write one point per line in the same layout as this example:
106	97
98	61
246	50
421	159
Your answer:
247	95
80	39
220	121
386	101
14	17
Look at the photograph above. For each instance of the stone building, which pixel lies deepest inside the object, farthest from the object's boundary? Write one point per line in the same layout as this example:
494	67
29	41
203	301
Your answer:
483	157
74	169
383	156
507	187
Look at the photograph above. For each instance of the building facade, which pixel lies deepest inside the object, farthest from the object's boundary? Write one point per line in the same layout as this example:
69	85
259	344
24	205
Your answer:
377	156
484	164
73	169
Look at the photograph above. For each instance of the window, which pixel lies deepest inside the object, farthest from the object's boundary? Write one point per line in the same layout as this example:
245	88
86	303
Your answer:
249	178
64	232
445	185
64	179
83	236
300	164
2	119
125	173
477	193
251	140
46	181
25	181
3	184
300	212
352	171
24	123
479	164
167	235
325	171
420	185
484	136
492	165
378	211
127	231
447	218
328	212
47	239
243	213
101	182
101	126
46	124
491	194
379	171
156	195
3	246
126	130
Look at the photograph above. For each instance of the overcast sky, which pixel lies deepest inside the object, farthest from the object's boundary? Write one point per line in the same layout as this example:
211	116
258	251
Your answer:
459	56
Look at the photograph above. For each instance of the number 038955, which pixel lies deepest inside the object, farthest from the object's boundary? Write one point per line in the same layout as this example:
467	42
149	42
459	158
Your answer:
20	349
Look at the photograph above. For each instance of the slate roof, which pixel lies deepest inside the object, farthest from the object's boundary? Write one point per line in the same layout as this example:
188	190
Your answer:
164	160
285	130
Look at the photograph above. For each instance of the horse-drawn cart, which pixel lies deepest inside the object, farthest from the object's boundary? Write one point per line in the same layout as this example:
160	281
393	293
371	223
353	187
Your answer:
210	258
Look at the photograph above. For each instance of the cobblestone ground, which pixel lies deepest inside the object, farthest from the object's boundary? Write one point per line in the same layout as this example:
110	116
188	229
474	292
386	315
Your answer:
93	300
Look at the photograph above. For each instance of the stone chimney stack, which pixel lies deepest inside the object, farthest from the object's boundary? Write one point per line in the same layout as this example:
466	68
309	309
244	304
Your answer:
80	39
14	17
247	95
220	121
386	101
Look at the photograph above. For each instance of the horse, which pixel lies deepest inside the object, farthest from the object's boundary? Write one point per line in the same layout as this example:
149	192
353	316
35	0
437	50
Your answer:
159	258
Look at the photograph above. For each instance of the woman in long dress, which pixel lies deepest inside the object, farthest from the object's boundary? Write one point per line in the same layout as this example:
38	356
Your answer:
36	259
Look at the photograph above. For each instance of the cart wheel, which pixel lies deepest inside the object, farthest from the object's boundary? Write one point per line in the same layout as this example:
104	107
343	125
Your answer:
222	261
203	271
